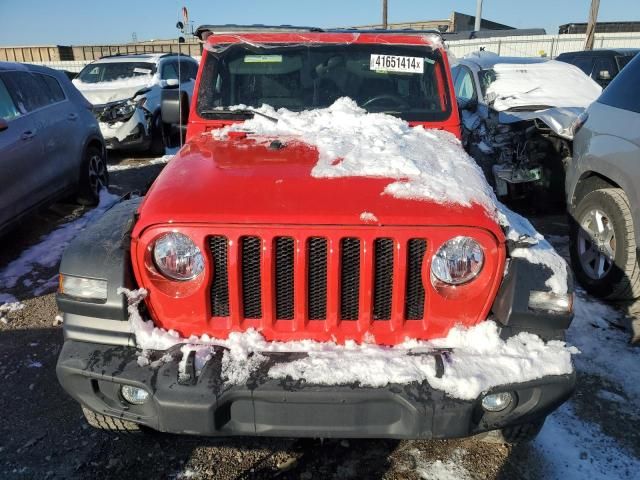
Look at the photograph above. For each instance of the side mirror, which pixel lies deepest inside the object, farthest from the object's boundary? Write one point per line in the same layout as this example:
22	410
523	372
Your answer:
604	75
3	124
170	83
174	107
469	104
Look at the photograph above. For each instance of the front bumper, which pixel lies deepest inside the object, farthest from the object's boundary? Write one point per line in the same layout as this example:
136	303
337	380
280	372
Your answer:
132	134
93	373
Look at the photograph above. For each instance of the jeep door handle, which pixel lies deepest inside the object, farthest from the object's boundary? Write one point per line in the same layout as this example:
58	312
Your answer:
72	116
28	135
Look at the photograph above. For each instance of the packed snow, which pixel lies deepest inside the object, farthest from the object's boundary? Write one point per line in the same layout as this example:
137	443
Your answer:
8	308
552	83
427	164
368	217
139	164
106	92
48	251
479	359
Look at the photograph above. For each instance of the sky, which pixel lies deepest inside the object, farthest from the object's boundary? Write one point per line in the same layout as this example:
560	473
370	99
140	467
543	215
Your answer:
73	22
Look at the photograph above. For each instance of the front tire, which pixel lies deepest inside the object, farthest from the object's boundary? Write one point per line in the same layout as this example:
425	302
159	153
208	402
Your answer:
603	245
157	147
93	176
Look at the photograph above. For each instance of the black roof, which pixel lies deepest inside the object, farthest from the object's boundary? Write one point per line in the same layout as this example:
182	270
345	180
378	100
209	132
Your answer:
599	51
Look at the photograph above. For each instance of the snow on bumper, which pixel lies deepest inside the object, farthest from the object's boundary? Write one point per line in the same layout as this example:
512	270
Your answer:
125	134
207	405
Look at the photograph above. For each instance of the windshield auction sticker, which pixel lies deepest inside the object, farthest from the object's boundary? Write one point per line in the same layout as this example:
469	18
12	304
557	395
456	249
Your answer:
395	63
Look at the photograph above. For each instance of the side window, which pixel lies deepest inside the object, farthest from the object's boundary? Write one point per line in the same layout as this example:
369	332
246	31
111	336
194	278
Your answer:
187	71
8	109
169	71
50	87
455	71
604	68
623	91
26	91
464	87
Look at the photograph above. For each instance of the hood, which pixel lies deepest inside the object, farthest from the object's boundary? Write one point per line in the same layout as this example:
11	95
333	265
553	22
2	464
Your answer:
241	180
560	120
107	92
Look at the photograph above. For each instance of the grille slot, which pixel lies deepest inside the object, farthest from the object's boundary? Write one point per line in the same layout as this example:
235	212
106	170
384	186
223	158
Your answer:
284	277
349	278
317	278
383	278
220	285
414	298
251	277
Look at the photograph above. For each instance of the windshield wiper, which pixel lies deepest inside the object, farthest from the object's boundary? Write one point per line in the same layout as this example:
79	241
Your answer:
239	111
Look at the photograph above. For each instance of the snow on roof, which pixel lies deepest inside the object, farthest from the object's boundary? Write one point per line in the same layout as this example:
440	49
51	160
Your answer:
146	57
550	83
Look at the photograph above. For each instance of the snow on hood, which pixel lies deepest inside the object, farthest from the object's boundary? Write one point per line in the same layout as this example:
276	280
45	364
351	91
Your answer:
427	163
552	83
479	358
107	92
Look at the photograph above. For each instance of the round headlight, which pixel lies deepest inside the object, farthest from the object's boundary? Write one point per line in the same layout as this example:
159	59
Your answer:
458	261
177	257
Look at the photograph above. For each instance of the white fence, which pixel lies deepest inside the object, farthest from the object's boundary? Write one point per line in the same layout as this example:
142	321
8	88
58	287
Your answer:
542	45
527	46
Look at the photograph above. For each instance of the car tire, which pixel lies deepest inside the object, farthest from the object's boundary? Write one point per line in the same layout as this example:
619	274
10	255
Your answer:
514	434
157	146
110	424
603	245
93	177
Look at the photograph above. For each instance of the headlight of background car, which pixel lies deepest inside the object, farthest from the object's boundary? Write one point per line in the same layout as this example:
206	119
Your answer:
124	110
457	261
177	257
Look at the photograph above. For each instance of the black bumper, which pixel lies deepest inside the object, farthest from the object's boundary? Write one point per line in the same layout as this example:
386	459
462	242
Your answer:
93	374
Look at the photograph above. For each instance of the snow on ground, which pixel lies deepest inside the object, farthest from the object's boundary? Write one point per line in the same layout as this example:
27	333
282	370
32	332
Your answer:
552	83
8	308
47	252
479	360
451	468
138	164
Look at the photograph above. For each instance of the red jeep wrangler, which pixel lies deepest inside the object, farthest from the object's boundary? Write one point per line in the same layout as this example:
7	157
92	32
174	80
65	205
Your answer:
237	236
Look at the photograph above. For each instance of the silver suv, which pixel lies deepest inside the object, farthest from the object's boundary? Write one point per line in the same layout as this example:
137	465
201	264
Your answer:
50	143
125	93
603	190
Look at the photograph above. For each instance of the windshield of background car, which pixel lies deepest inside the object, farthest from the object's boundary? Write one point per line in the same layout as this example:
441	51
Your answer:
408	82
108	72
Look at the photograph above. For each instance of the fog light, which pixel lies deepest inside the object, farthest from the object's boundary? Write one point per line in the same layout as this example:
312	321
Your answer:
134	395
496	402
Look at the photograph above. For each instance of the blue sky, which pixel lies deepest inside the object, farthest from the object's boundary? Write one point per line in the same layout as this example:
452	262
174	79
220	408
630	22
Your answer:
65	22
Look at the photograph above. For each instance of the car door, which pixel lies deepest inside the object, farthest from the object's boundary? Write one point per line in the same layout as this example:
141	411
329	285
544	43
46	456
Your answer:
61	124
20	153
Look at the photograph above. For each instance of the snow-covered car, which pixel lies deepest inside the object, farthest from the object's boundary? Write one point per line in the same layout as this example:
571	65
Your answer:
517	119
50	144
125	93
332	264
603	194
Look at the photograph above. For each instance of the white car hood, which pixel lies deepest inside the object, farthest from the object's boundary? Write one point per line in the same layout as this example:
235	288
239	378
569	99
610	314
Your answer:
107	92
560	120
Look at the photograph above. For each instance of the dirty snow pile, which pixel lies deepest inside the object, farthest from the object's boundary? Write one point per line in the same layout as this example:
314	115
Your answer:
479	359
8	308
427	164
47	253
552	83
140	164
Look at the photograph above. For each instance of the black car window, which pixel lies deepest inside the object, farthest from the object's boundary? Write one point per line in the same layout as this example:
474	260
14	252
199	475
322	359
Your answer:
604	68
584	63
50	87
622	92
26	91
8	109
169	71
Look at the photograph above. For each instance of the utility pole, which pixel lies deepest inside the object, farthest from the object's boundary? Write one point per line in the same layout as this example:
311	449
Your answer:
478	15
384	14
591	26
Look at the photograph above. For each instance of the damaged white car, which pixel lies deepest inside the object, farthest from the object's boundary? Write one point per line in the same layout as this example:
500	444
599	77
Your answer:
518	117
125	93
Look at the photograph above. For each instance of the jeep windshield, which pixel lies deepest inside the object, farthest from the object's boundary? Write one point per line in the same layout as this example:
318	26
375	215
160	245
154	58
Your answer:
111	71
408	82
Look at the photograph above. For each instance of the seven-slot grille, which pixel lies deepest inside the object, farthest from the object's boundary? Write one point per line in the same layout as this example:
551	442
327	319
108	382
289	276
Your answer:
291	260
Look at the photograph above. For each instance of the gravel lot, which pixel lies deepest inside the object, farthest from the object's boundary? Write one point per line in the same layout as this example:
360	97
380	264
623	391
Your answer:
43	433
